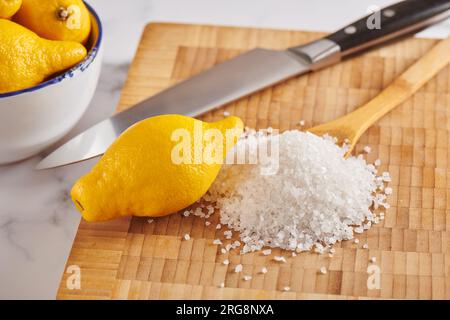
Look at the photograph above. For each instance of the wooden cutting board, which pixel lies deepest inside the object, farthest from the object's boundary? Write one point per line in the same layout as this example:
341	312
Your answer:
133	259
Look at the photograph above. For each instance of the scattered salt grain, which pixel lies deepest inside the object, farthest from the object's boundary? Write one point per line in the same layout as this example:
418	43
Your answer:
279	259
332	250
358	229
294	254
186	213
238	268
323	270
187	237
367	149
356	241
226	113
150	221
219	226
377	162
388	190
221	285
226	262
247	278
287	289
365	246
386	176
217	242
267	252
207	223
373	259
264	270
331	255
223	250
302	123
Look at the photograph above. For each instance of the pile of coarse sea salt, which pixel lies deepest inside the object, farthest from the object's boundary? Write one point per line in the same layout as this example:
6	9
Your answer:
314	199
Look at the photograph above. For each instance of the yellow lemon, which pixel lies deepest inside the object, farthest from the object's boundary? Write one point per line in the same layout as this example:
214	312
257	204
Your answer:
64	20
156	167
27	60
8	8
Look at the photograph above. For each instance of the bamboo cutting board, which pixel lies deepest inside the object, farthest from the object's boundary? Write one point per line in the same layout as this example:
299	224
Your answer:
133	259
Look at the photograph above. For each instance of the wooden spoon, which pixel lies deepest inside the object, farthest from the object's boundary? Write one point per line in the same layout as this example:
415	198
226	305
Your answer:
354	124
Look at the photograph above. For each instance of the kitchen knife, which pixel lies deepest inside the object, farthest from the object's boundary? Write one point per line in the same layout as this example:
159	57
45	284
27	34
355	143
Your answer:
253	71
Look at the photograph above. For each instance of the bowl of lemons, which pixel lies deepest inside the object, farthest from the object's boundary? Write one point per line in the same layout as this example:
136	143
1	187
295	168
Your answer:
50	61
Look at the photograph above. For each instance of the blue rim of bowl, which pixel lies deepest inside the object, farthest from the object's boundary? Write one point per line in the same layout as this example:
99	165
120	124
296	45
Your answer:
83	65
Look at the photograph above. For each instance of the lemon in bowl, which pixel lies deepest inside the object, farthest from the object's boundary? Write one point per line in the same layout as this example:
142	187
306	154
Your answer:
33	118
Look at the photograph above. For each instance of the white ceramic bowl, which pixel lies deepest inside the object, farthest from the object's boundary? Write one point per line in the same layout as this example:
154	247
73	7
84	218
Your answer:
34	118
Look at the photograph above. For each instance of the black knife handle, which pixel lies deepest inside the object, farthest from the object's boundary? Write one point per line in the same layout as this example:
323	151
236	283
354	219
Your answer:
397	20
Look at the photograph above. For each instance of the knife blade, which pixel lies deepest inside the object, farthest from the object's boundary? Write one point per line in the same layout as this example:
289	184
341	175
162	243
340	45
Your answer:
223	83
248	73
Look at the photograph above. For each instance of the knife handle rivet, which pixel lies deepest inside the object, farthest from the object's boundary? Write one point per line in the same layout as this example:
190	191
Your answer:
389	13
350	30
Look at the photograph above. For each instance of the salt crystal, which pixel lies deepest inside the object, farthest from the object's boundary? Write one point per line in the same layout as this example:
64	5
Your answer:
358	229
267	252
323	270
377	162
226	262
186	213
187	237
223	251
302	123
356	241
332	250
279	259
247	278
367	149
294	254
319	247
365	246
388	191
287	289
219	226
238	268
226	113
221	285
264	270
386	177
150	221
373	259
207	223
217	241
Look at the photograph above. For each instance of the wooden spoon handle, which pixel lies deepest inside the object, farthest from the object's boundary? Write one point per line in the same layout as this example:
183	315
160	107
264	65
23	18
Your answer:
401	89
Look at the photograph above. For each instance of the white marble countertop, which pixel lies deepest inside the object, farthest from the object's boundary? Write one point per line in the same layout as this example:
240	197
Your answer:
37	219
